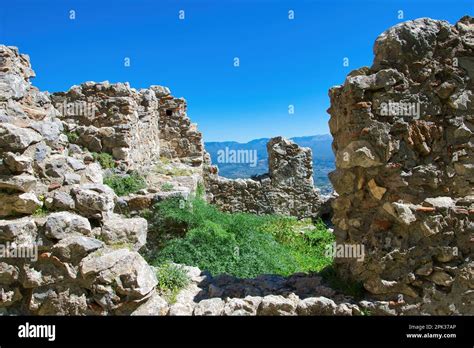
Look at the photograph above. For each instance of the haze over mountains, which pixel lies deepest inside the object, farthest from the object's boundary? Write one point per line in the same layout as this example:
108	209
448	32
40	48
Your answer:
323	158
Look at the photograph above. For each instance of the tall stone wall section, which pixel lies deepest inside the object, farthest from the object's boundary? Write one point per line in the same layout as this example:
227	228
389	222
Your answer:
179	137
136	127
63	250
287	188
403	139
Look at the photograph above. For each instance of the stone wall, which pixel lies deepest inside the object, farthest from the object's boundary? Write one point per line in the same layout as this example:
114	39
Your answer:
403	139
63	250
136	127
286	189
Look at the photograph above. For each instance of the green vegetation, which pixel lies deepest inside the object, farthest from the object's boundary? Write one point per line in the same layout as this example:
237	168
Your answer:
105	159
171	279
243	245
72	137
124	185
200	190
167	186
42	210
162	168
354	289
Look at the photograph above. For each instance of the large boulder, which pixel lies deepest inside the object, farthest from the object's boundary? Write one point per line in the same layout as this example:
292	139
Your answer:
118	230
14	138
117	277
93	200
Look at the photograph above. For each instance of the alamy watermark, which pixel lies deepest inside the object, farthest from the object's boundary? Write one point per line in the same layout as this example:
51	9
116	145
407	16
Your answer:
346	251
9	250
228	155
76	109
402	109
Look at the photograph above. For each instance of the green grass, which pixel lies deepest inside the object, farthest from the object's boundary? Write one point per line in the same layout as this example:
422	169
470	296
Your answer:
171	279
161	168
72	137
124	185
167	187
41	211
243	245
105	159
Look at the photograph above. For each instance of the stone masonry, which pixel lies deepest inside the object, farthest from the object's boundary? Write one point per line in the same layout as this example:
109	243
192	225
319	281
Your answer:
403	139
286	189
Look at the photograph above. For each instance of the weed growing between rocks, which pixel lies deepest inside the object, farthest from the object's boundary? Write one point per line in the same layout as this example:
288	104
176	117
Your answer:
72	137
125	184
105	160
167	187
240	244
171	279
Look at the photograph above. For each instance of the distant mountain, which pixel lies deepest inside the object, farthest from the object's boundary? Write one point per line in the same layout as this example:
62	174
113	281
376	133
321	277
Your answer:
323	158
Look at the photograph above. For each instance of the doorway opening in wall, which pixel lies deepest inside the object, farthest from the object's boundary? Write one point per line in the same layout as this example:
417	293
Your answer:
169	112
241	254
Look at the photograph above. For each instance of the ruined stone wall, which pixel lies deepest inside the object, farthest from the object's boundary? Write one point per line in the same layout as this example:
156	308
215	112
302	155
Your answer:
403	139
136	127
286	189
63	250
180	139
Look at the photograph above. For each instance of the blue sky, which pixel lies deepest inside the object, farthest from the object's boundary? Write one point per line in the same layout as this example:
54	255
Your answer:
282	62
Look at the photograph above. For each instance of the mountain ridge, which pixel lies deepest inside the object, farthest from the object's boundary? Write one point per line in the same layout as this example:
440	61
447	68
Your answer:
320	145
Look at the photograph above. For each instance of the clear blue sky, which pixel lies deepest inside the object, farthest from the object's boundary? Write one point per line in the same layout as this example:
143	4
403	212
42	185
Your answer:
282	62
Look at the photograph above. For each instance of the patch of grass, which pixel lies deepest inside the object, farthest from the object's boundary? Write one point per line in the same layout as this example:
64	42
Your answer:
105	159
243	245
171	279
167	186
41	211
161	168
72	137
124	185
354	289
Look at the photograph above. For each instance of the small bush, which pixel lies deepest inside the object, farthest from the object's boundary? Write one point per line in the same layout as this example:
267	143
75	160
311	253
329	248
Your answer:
42	210
171	279
124	185
105	160
167	186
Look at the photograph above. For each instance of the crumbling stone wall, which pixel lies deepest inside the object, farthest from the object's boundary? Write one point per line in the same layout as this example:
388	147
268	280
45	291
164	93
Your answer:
63	250
113	118
403	139
286	189
136	127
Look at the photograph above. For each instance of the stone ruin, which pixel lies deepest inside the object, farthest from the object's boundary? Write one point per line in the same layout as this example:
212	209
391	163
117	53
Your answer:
403	139
287	188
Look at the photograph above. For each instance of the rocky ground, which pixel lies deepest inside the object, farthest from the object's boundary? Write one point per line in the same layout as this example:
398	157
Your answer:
299	294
